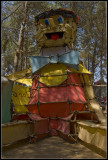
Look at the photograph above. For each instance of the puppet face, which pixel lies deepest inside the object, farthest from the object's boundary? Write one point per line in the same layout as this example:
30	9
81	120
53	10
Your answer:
55	31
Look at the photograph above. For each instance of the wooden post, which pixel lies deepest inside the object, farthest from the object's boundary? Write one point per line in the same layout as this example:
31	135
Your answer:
75	127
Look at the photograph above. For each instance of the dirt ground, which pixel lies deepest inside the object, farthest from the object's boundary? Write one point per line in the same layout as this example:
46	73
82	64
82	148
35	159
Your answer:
51	147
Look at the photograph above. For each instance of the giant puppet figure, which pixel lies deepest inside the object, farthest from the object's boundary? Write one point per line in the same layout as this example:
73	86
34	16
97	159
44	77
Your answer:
61	91
61	101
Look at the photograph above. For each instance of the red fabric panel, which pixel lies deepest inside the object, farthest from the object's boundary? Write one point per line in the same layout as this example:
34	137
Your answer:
36	117
77	107
42	126
53	127
34	85
54	110
58	94
80	91
33	97
68	117
33	108
76	94
86	116
20	117
53	94
74	78
64	126
73	95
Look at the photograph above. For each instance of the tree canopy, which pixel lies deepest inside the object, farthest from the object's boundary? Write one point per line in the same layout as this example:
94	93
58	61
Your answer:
90	40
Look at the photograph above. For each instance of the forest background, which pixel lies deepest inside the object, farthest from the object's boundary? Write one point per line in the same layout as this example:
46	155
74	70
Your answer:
18	33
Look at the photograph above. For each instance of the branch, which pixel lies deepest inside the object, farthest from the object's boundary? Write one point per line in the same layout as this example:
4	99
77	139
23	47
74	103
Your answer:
11	13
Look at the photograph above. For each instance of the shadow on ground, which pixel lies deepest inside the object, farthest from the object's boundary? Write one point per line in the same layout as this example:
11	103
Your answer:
51	147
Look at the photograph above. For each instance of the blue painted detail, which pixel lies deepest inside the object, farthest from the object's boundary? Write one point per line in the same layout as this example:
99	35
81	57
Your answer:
37	62
46	22
60	20
69	58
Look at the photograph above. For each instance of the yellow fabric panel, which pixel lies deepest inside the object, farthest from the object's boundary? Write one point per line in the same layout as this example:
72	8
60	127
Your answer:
20	109
20	97
92	134
53	69
19	74
81	69
25	81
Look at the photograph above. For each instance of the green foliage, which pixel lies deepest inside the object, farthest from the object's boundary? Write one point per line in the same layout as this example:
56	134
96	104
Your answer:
90	39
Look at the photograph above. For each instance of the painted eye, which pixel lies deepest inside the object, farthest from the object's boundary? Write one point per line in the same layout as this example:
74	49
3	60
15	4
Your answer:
46	22
60	19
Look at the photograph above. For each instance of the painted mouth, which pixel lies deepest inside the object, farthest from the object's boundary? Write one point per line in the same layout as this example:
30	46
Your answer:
54	35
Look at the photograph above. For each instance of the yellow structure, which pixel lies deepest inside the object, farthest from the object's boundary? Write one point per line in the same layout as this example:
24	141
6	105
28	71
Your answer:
15	131
20	98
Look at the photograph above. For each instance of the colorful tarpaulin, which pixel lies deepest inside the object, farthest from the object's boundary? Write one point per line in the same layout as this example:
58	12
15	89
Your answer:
60	109
81	69
64	124
20	74
20	97
67	91
27	81
70	59
45	125
57	70
59	100
23	76
55	74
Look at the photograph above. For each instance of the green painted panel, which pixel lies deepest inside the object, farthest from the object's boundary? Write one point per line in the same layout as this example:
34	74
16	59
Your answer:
6	98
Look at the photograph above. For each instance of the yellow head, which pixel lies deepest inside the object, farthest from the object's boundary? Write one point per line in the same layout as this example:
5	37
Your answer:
56	28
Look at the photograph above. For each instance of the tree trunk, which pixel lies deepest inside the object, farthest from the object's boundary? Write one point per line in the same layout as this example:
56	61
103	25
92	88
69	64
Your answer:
94	57
26	44
3	58
17	58
2	64
101	57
